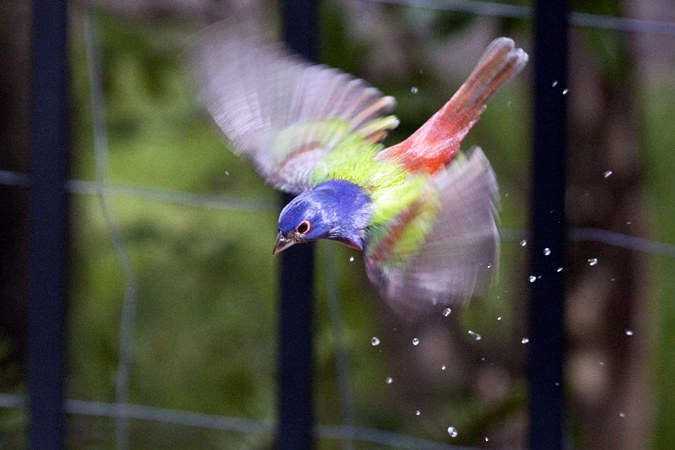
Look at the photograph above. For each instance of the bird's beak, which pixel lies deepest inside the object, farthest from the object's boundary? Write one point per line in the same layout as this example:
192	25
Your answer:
283	242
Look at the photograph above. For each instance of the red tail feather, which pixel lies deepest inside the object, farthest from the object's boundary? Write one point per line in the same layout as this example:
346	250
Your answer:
434	144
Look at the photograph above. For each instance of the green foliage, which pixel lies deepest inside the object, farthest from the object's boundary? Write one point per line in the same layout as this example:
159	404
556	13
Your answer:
659	137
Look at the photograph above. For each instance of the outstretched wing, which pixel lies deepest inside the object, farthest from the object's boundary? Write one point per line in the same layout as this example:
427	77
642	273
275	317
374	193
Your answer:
280	111
456	256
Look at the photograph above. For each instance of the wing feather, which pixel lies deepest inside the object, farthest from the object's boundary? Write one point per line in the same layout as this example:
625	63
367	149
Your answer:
256	90
459	255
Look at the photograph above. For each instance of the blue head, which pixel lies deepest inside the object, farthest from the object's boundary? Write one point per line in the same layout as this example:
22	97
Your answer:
336	210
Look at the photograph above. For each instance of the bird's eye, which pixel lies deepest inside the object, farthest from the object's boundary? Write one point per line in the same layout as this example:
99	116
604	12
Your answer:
303	227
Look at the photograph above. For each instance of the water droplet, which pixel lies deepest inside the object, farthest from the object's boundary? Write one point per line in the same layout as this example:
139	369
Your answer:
388	380
414	89
443	367
607	174
499	318
592	261
452	432
533	278
415	341
559	269
555	83
557	383
547	251
523	243
375	341
227	173
525	340
351	258
447	311
602	363
622	415
417	413
486	439
629	333
475	335
489	266
565	91
628	223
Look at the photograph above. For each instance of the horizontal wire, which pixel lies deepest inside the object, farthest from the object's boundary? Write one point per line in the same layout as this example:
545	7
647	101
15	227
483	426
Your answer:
10	178
612	238
12	401
176	197
185	198
388	438
239	204
622	23
615	239
172	416
496	9
234	424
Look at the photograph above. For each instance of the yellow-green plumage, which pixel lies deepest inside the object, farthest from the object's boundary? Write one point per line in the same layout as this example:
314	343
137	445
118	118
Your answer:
389	185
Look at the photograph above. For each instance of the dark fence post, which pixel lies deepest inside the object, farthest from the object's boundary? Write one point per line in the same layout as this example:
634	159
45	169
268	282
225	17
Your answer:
49	226
295	426
548	229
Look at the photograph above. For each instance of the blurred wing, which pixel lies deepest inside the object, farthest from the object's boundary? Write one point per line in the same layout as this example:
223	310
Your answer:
280	111
458	256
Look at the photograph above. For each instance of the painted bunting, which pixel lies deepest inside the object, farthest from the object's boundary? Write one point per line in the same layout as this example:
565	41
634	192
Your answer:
422	212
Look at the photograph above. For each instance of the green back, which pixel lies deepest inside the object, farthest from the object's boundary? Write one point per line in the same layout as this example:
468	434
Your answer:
391	188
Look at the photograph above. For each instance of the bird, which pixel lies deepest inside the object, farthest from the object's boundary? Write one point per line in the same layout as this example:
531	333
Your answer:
423	213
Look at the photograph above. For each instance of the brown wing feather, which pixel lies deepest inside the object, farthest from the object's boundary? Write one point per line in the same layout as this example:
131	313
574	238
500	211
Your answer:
459	256
254	89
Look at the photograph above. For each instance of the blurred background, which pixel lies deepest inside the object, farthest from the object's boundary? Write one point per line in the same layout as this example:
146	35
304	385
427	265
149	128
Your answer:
186	230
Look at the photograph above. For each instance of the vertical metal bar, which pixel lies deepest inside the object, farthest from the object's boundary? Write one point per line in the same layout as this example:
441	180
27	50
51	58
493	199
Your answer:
295	426
49	226
548	228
